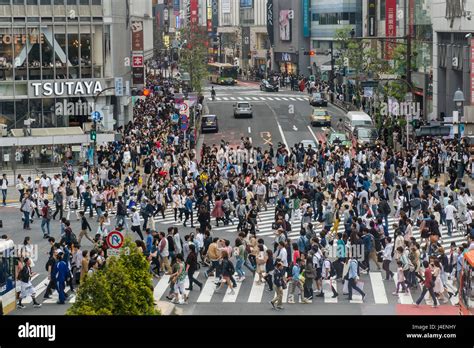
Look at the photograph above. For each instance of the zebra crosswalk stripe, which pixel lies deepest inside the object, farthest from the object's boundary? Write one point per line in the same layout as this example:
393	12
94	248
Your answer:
378	287
256	293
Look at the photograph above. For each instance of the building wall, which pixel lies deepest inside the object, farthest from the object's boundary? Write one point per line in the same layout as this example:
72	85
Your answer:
447	80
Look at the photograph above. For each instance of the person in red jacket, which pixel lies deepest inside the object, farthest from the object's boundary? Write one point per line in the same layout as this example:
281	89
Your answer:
428	285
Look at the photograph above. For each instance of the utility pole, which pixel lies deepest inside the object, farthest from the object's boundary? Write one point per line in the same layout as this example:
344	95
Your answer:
331	75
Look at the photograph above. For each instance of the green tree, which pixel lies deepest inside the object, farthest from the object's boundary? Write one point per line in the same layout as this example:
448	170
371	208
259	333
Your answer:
123	287
360	57
194	53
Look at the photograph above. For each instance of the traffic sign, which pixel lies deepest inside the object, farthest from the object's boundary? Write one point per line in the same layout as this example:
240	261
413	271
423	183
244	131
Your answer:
184	126
96	116
183	109
118	86
175	118
115	240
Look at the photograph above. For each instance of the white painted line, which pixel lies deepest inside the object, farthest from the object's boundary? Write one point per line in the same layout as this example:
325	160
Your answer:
218	98
301	99
225	98
161	287
292	99
284	99
39	289
240	98
314	135
263	98
232	98
254	98
256	293
250	130
247	98
328	291
276	98
231	298
269	98
285	294
207	291
402	298
283	136
378	288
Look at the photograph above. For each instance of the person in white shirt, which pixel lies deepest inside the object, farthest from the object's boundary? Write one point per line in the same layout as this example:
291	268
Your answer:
261	192
387	258
4	188
45	182
449	210
282	254
136	222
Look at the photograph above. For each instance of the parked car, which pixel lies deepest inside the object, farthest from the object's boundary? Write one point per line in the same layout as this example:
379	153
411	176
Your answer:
267	86
320	117
243	109
209	124
318	99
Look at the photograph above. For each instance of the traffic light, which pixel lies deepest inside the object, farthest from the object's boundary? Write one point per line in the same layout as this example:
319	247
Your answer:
310	53
93	135
146	92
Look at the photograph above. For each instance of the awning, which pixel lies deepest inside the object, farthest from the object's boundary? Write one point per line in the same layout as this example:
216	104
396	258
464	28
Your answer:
47	132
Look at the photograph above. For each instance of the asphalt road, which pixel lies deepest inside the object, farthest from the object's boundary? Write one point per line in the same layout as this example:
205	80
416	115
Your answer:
278	117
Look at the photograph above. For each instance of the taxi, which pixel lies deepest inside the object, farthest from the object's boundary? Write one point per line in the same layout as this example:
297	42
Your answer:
320	117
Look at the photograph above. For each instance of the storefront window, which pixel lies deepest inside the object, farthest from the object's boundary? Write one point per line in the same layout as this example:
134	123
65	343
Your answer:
73	55
21	107
36	113
6	56
48	113
60	55
86	56
47	54
34	56
7	113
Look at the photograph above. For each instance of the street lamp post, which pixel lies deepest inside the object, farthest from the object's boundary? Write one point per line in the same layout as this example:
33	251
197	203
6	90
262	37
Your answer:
459	101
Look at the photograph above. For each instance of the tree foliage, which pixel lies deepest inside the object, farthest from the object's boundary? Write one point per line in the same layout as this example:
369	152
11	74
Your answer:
193	56
123	287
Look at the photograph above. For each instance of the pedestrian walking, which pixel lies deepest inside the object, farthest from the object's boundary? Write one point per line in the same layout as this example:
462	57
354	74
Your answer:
27	288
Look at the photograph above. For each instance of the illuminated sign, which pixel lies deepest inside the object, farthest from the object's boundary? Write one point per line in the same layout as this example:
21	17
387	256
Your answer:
65	88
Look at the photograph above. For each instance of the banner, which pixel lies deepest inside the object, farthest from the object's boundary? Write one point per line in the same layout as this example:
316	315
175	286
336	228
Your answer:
193	7
246	3
390	26
270	21
225	6
285	25
472	71
209	16
306	19
372	17
215	13
176	7
137	36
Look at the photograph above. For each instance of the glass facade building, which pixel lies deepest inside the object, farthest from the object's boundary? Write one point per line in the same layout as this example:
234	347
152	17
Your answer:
47	49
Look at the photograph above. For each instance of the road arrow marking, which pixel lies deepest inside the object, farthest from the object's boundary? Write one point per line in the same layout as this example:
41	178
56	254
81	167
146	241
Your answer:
294	128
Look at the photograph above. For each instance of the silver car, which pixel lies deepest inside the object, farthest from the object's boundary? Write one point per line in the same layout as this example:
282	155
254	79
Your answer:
243	109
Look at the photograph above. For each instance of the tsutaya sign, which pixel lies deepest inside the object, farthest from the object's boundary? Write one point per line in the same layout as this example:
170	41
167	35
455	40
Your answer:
65	88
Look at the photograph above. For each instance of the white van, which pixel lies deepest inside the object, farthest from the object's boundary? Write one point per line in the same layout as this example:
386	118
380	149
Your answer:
357	118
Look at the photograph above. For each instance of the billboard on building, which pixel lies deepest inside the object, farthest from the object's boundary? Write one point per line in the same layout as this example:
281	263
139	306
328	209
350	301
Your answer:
225	6
306	20
372	17
193	7
285	25
270	21
472	71
390	26
246	3
215	13
137	36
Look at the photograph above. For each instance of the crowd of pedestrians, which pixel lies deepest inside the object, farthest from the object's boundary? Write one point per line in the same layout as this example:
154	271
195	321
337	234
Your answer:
311	190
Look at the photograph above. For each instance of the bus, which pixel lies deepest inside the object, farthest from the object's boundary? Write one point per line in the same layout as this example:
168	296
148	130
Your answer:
466	289
222	73
7	277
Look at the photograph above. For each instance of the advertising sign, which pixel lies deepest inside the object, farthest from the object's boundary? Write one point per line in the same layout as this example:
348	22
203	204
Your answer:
390	26
472	71
372	16
306	19
285	25
225	6
137	36
193	7
270	21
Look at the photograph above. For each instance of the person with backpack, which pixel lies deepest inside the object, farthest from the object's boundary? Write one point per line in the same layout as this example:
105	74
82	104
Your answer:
352	277
191	268
47	215
280	284
303	242
297	278
327	272
310	275
84	227
69	236
27	288
227	271
171	244
58	202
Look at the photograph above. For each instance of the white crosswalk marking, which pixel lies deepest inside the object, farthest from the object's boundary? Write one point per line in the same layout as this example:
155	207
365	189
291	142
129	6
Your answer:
276	98
378	287
255	98
207	291
231	296
39	289
270	98
257	291
240	98
402	298
328	291
225	98
161	287
284	98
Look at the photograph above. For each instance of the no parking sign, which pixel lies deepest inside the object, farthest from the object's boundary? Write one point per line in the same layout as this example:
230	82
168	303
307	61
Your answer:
115	240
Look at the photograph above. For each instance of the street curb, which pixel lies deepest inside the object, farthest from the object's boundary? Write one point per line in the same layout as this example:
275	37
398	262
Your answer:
165	308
